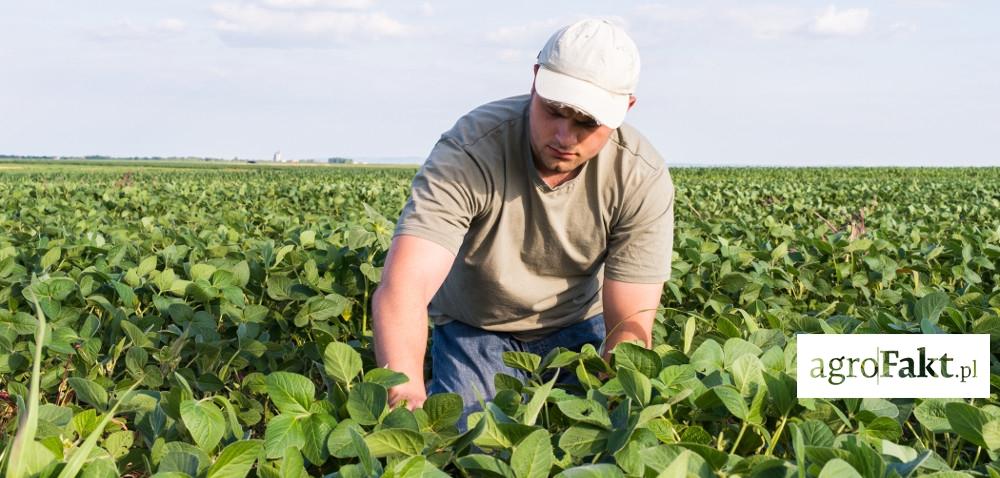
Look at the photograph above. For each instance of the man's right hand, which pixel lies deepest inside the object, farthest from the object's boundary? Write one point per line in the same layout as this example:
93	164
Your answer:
412	393
414	270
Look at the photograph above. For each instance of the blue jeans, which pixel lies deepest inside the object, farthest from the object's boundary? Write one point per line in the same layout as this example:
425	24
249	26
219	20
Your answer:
465	358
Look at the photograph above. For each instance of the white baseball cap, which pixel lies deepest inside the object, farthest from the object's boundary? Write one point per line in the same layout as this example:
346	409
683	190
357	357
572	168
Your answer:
592	65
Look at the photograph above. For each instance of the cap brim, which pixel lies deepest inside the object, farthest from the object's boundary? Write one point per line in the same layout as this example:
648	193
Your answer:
606	107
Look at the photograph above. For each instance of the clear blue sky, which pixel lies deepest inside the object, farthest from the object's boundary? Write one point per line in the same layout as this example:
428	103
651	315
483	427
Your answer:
907	82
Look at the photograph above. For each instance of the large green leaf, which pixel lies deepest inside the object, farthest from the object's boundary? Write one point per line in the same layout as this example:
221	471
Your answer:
930	306
341	362
532	457
485	465
967	421
204	422
283	431
583	440
603	470
395	441
89	392
236	459
366	403
291	393
443	410
837	468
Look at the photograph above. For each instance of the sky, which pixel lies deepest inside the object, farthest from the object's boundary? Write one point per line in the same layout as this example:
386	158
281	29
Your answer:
723	82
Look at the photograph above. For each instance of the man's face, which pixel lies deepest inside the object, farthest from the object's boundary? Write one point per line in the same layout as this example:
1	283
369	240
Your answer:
561	138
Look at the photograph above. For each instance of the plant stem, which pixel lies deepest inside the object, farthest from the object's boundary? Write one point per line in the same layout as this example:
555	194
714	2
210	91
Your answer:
738	438
777	434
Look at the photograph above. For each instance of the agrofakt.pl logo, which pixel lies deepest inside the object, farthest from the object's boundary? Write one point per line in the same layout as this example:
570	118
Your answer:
893	366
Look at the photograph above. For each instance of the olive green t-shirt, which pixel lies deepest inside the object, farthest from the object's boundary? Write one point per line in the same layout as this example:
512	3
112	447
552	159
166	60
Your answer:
530	258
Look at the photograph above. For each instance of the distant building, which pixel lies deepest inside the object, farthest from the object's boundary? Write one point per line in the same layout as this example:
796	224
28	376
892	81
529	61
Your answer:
277	156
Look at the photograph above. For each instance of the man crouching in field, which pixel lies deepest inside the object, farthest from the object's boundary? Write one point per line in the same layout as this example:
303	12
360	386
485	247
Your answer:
537	221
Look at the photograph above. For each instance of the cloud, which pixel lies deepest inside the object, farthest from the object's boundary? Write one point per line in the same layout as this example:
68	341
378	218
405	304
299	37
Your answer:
533	34
170	25
902	28
769	21
426	9
776	22
833	22
669	14
253	25
321	4
524	34
126	29
516	55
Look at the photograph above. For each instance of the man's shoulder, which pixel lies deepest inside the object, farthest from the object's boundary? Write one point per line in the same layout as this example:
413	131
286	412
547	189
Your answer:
488	119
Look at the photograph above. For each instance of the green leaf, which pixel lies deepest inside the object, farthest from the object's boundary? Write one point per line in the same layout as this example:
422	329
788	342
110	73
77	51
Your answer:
396	441
602	470
780	388
859	245
321	308
636	385
89	392
291	393
339	442
371	466
443	410
341	362
525	361
283	431
585	411
236	459
733	282
689	329
366	402
385	377
202	271
316	430
51	257
708	357
146	266
293	466
733	401
837	468
534	406
583	440
485	465
532	457
638	358
747	371
991	435
967	421
204	421
930	306
779	252
932	415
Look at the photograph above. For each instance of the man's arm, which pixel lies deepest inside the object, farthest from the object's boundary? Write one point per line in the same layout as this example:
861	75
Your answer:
629	311
414	270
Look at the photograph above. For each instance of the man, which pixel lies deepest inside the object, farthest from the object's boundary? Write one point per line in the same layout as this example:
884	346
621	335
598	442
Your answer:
536	222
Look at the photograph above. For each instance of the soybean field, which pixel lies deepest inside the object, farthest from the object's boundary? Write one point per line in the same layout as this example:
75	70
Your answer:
214	320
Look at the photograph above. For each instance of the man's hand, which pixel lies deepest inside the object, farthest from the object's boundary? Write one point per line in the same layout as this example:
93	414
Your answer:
414	270
629	310
412	393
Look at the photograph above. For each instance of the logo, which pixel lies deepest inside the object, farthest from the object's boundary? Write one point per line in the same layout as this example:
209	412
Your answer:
893	366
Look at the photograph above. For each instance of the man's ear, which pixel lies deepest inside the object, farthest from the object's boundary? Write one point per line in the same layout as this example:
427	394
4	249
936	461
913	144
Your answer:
631	101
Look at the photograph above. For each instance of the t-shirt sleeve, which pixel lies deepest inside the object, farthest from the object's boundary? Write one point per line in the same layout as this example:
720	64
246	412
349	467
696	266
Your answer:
640	245
448	192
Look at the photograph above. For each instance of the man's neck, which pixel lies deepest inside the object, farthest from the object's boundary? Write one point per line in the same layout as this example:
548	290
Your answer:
554	179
